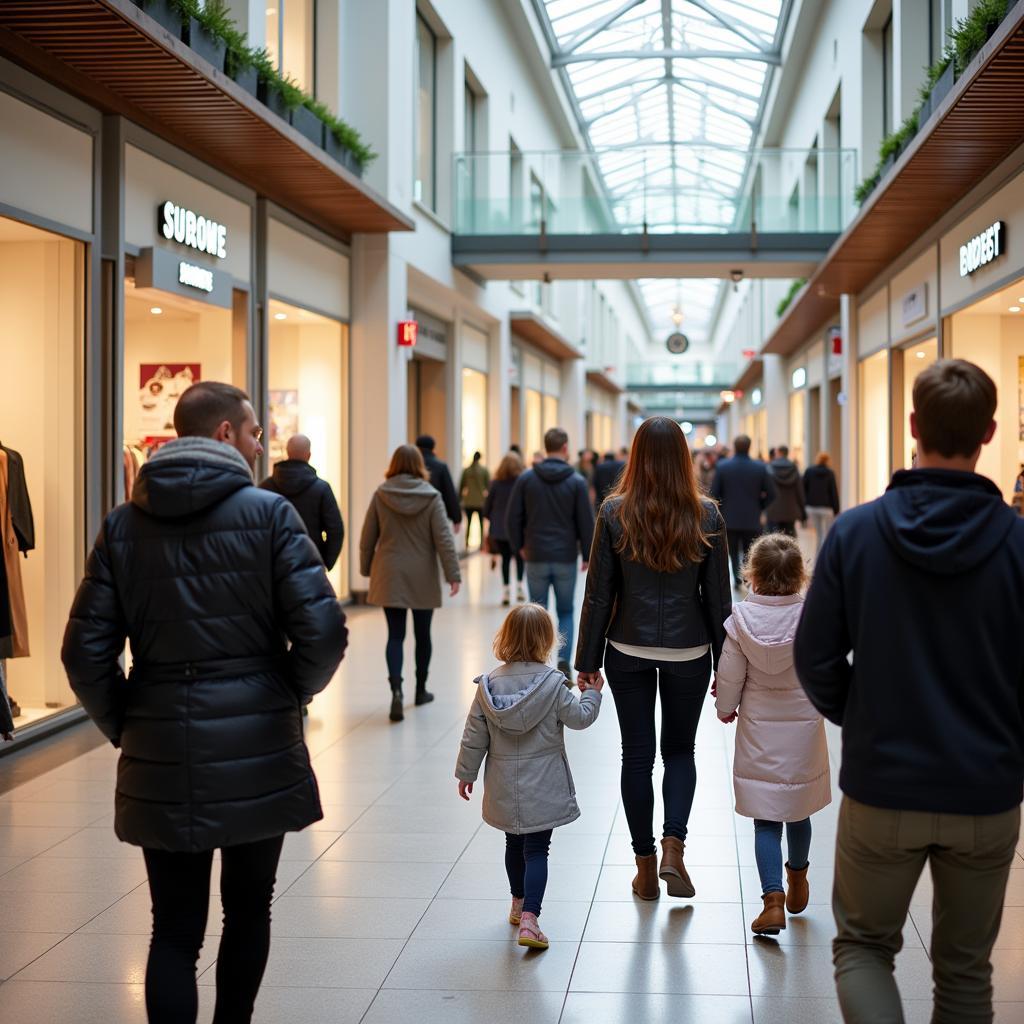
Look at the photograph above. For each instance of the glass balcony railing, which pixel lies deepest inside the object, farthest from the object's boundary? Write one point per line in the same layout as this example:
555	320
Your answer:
662	189
681	374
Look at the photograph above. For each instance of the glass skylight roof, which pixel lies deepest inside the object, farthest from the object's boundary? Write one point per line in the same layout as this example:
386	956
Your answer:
687	77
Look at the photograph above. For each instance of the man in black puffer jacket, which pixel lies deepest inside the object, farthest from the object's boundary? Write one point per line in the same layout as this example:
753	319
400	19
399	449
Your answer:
233	625
312	497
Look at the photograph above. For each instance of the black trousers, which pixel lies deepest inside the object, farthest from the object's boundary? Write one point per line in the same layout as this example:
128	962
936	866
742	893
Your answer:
507	554
421	619
635	684
179	884
470	512
739	544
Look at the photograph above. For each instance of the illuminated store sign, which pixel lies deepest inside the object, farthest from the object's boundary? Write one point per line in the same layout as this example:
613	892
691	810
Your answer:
195	277
179	224
983	248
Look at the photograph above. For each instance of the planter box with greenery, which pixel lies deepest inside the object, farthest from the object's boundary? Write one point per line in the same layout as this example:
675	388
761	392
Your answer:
242	73
203	42
307	123
165	13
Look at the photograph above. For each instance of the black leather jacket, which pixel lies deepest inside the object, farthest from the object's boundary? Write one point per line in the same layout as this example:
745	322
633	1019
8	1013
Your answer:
628	602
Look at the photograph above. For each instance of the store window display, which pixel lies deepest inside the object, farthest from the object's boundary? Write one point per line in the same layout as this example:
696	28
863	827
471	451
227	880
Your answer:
991	334
41	485
308	394
797	426
916	358
874	426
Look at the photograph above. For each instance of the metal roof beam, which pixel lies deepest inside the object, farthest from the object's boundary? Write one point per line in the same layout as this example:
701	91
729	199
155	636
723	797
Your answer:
588	33
726	22
561	60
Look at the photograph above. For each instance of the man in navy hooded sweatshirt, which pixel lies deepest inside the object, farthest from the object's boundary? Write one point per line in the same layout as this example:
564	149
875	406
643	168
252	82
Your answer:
925	587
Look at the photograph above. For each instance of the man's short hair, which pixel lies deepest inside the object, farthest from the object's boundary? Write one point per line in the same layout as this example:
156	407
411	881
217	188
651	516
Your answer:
555	440
203	407
954	403
783	450
742	445
425	443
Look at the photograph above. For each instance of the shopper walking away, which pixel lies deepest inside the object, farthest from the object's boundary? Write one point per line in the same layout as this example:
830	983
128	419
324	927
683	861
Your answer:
404	534
743	488
496	513
233	625
550	520
473	492
517	722
441	480
789	505
705	465
822	496
606	476
297	480
658	594
933	732
780	771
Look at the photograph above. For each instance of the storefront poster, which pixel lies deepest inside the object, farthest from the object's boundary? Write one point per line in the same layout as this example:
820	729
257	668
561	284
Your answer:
284	421
160	387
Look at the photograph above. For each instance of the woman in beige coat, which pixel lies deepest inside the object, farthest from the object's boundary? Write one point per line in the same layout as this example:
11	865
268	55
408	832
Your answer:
405	532
781	770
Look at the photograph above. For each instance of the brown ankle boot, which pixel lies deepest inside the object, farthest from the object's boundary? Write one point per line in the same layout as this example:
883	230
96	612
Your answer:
645	885
798	892
673	871
772	919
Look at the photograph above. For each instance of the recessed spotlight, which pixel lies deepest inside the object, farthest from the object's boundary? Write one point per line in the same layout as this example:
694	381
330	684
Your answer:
1015	309
155	310
711	440
920	355
280	316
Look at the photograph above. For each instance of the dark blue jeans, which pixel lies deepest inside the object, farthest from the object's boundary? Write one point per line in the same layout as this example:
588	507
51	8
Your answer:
540	578
526	862
635	684
768	850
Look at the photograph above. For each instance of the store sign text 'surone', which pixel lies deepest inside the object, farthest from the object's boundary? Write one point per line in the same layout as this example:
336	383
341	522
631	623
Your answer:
179	224
983	248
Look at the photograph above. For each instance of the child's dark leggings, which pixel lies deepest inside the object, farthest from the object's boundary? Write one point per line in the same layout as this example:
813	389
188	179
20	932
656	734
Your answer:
526	861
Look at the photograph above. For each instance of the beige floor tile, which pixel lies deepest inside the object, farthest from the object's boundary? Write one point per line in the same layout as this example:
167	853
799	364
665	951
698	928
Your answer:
88	843
655	968
396	846
814	927
465	965
666	921
52	912
56	1002
279	1005
421	818
488	847
346	918
28	841
400	1006
52	815
489	881
385	880
307	845
650	1008
95	874
488	920
713	885
133	915
18	949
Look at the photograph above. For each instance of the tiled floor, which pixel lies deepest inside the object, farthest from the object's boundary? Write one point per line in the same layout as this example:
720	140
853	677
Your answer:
392	909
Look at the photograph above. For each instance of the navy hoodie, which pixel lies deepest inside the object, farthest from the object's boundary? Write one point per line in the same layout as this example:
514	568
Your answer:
549	513
925	587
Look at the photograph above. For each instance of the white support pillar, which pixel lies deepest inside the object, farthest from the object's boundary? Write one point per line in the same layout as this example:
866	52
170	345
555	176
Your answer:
776	400
379	373
910	23
572	404
851	461
499	397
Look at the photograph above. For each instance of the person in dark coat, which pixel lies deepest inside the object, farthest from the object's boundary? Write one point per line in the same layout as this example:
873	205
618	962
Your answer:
606	476
496	514
233	626
743	487
924	587
822	495
441	480
789	505
551	521
312	497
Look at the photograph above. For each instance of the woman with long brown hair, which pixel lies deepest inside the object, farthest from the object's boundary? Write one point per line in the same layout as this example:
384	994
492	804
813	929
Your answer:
658	594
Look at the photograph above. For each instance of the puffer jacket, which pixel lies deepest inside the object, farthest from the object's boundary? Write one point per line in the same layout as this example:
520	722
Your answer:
781	769
517	720
314	501
405	531
627	602
233	626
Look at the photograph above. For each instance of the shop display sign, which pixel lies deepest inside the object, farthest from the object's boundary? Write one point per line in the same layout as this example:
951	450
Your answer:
915	303
799	378
186	227
983	248
195	277
407	331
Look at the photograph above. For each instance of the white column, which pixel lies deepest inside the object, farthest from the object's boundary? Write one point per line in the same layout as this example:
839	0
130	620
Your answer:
912	46
499	399
572	403
776	400
379	373
851	464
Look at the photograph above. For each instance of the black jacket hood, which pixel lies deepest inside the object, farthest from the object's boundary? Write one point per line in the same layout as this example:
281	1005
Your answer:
554	471
944	520
293	476
189	475
785	472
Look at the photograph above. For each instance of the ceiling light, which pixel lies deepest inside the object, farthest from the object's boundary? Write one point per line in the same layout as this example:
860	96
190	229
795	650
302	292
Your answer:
711	440
155	310
280	316
687	427
1015	309
920	355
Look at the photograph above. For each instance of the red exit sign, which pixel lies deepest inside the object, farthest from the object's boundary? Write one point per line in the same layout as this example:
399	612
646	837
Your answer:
407	331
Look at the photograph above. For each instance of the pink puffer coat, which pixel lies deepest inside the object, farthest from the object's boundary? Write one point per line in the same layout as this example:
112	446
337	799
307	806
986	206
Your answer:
781	770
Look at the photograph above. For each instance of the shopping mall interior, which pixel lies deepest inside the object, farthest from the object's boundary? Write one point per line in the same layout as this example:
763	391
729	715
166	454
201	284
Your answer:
475	221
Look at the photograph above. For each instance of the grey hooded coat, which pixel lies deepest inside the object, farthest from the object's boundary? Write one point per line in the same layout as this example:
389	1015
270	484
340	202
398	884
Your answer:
405	531
517	719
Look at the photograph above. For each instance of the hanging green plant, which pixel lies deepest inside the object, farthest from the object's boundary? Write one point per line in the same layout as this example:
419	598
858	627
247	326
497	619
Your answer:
787	300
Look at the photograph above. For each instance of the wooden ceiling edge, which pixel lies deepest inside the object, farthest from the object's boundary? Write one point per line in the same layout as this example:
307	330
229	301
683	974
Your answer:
752	372
601	380
553	343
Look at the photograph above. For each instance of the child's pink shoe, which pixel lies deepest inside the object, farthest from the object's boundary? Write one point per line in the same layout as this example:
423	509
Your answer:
515	915
530	934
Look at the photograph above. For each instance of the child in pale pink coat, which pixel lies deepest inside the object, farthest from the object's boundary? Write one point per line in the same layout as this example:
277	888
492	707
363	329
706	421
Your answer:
781	770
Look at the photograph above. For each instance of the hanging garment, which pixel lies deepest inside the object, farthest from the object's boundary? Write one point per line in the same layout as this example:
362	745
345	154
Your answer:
15	645
132	464
19	501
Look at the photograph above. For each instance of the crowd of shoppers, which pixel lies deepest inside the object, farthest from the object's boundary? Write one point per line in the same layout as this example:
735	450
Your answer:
932	769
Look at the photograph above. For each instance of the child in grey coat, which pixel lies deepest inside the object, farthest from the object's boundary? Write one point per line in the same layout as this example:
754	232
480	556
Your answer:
518	718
